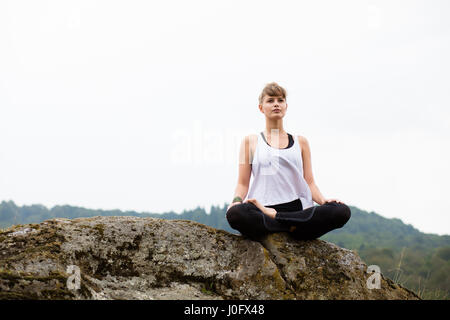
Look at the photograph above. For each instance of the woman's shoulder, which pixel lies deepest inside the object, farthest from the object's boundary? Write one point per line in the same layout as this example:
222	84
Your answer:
251	140
302	141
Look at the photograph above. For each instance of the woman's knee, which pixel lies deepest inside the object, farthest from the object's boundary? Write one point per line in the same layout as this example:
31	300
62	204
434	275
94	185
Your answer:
342	214
234	215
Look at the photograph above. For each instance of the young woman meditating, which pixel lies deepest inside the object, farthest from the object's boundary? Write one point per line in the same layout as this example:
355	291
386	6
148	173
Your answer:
280	197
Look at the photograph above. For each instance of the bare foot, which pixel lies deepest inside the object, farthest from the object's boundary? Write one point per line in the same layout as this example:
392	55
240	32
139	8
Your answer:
271	212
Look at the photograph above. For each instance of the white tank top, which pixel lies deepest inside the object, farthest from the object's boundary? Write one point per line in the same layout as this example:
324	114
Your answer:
277	175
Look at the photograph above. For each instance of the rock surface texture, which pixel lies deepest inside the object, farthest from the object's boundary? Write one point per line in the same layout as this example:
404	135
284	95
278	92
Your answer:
147	258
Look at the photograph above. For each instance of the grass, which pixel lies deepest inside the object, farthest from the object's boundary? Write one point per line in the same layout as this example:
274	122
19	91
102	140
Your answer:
421	291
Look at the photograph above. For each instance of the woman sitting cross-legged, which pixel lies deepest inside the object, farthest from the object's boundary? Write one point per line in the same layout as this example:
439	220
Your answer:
281	194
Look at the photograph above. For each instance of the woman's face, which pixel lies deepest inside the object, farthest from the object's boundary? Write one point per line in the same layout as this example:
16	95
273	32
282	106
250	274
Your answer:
273	107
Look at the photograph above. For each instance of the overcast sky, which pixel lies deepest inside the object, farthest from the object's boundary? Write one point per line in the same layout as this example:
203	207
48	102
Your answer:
141	105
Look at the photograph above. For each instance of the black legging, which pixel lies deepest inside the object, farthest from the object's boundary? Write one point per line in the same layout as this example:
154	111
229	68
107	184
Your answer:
310	223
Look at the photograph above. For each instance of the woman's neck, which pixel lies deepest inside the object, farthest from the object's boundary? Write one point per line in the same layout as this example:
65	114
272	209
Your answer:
275	127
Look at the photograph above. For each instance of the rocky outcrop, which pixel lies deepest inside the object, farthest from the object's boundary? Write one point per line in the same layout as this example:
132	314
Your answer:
147	258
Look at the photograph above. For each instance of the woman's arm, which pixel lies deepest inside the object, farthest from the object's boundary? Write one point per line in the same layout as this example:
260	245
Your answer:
245	170
307	171
316	194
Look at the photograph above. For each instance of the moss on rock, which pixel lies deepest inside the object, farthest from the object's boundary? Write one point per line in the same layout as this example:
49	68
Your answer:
148	258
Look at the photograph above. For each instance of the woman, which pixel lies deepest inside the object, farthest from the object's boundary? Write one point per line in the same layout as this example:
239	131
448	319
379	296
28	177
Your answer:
280	197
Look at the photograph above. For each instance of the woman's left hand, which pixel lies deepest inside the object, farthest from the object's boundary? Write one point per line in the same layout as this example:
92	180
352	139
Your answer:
332	200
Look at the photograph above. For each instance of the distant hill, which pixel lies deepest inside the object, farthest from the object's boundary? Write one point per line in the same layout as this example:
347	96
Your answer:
419	261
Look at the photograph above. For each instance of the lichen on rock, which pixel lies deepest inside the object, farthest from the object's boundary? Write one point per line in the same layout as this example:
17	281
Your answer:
149	258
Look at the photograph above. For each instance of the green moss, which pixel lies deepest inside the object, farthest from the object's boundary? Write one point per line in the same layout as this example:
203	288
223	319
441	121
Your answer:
45	244
208	288
34	226
100	229
21	278
121	265
57	294
266	257
6	295
84	290
8	275
50	247
60	292
15	276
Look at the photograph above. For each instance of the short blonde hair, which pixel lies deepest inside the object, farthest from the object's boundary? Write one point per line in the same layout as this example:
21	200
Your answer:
272	89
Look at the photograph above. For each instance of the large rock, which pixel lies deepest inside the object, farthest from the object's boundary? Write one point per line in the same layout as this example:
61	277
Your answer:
147	258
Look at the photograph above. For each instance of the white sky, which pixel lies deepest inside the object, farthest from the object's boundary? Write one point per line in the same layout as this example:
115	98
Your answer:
141	105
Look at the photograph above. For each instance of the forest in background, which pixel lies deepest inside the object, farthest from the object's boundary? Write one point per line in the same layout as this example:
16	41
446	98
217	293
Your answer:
416	260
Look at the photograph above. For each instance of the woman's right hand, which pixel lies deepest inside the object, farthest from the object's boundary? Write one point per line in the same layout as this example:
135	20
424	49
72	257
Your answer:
266	210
